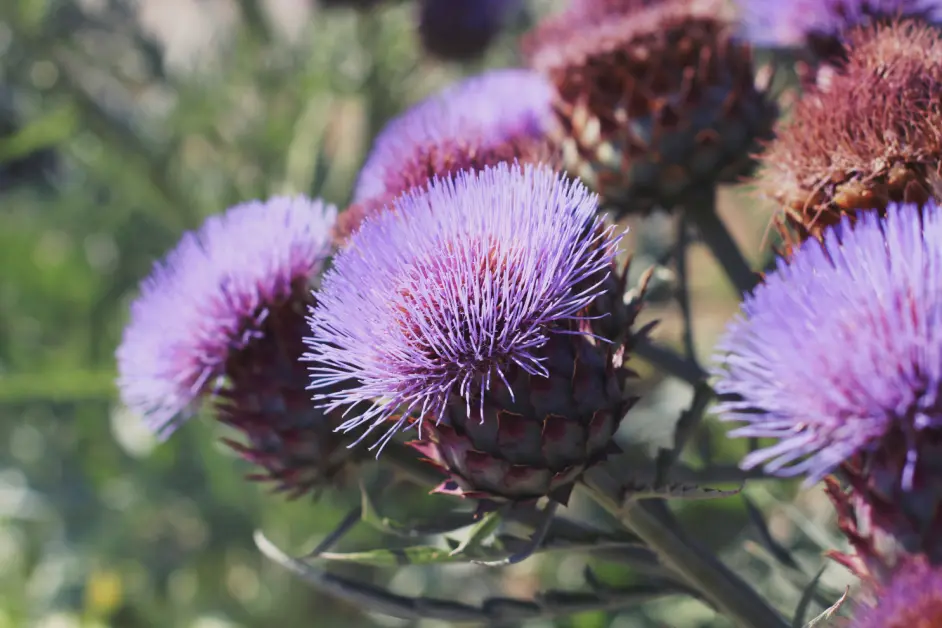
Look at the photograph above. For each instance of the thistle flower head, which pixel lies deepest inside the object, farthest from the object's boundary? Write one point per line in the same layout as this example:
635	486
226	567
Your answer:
474	307
209	299
822	23
498	116
839	353
459	283
867	138
460	30
911	599
655	97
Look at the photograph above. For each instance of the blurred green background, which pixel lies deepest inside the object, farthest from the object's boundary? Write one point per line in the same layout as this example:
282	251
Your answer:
123	124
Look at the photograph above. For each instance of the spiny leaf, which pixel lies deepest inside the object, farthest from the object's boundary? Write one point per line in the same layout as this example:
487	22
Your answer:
479	533
448	522
416	555
634	491
492	612
826	615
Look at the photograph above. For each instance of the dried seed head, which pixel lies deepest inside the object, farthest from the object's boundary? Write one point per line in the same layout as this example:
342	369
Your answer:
870	137
655	98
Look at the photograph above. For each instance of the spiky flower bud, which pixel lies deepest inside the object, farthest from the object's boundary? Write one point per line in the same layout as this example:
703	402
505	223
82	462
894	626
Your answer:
467	310
819	26
868	138
462	30
911	599
655	97
222	318
838	356
499	116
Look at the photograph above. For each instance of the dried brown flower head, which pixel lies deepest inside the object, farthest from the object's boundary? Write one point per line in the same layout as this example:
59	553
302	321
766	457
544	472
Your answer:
869	136
655	97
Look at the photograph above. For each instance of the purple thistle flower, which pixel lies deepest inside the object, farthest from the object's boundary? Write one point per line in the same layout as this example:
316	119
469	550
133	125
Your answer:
209	299
839	352
462	281
459	30
499	116
793	24
911	599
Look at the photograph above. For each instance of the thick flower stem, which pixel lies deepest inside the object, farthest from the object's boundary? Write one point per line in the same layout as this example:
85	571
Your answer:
731	596
717	237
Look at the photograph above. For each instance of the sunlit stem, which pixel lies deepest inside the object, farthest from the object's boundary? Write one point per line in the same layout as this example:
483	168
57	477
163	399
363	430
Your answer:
726	591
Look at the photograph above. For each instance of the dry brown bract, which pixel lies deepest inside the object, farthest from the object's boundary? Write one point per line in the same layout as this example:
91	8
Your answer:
654	96
869	136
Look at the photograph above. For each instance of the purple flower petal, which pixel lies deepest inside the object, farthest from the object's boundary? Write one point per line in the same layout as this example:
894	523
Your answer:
208	296
440	295
477	122
840	346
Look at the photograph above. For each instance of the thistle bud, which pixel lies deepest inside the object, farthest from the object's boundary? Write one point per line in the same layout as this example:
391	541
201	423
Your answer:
655	98
868	138
838	357
496	117
469	311
222	319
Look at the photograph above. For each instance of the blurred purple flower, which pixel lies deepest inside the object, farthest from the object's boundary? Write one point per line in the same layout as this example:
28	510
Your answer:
460	30
839	352
461	282
210	298
796	23
481	121
911	599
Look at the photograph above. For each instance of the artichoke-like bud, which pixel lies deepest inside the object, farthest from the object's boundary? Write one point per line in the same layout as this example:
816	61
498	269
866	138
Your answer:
470	310
655	97
496	117
910	598
462	30
837	356
222	319
870	136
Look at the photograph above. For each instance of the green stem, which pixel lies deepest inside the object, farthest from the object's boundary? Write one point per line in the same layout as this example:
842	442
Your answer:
717	237
731	595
